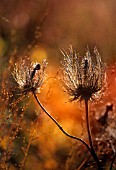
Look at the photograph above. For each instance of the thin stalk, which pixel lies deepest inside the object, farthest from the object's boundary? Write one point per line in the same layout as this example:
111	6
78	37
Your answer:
90	138
60	127
113	160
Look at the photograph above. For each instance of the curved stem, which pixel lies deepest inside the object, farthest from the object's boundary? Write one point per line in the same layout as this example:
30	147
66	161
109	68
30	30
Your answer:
90	138
60	127
92	152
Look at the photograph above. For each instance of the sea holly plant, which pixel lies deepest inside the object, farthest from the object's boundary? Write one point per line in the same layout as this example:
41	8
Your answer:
83	79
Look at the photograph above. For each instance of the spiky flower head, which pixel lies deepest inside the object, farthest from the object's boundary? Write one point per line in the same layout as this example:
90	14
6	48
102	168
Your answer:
28	75
83	77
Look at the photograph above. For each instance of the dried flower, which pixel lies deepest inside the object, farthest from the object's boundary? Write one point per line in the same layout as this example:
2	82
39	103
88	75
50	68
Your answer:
82	77
29	76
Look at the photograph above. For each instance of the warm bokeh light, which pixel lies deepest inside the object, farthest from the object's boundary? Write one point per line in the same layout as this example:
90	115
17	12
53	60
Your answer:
38	54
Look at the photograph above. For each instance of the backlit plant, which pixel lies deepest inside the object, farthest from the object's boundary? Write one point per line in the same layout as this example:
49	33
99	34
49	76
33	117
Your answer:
83	79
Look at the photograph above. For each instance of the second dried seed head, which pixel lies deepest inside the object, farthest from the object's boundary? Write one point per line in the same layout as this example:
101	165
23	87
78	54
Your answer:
84	77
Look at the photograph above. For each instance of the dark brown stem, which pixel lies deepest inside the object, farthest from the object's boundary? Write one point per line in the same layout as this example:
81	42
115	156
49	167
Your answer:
113	159
90	138
60	127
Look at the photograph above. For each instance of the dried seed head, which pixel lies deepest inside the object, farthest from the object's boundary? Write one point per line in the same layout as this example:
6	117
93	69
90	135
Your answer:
83	77
29	76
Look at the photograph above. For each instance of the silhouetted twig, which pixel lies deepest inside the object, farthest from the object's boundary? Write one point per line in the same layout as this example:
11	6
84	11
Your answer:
113	160
90	138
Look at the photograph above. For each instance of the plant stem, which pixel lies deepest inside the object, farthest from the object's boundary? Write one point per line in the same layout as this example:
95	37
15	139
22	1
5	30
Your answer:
60	127
113	159
90	138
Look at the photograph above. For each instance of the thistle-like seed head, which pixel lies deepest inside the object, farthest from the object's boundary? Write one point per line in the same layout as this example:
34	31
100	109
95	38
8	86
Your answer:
83	77
29	76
